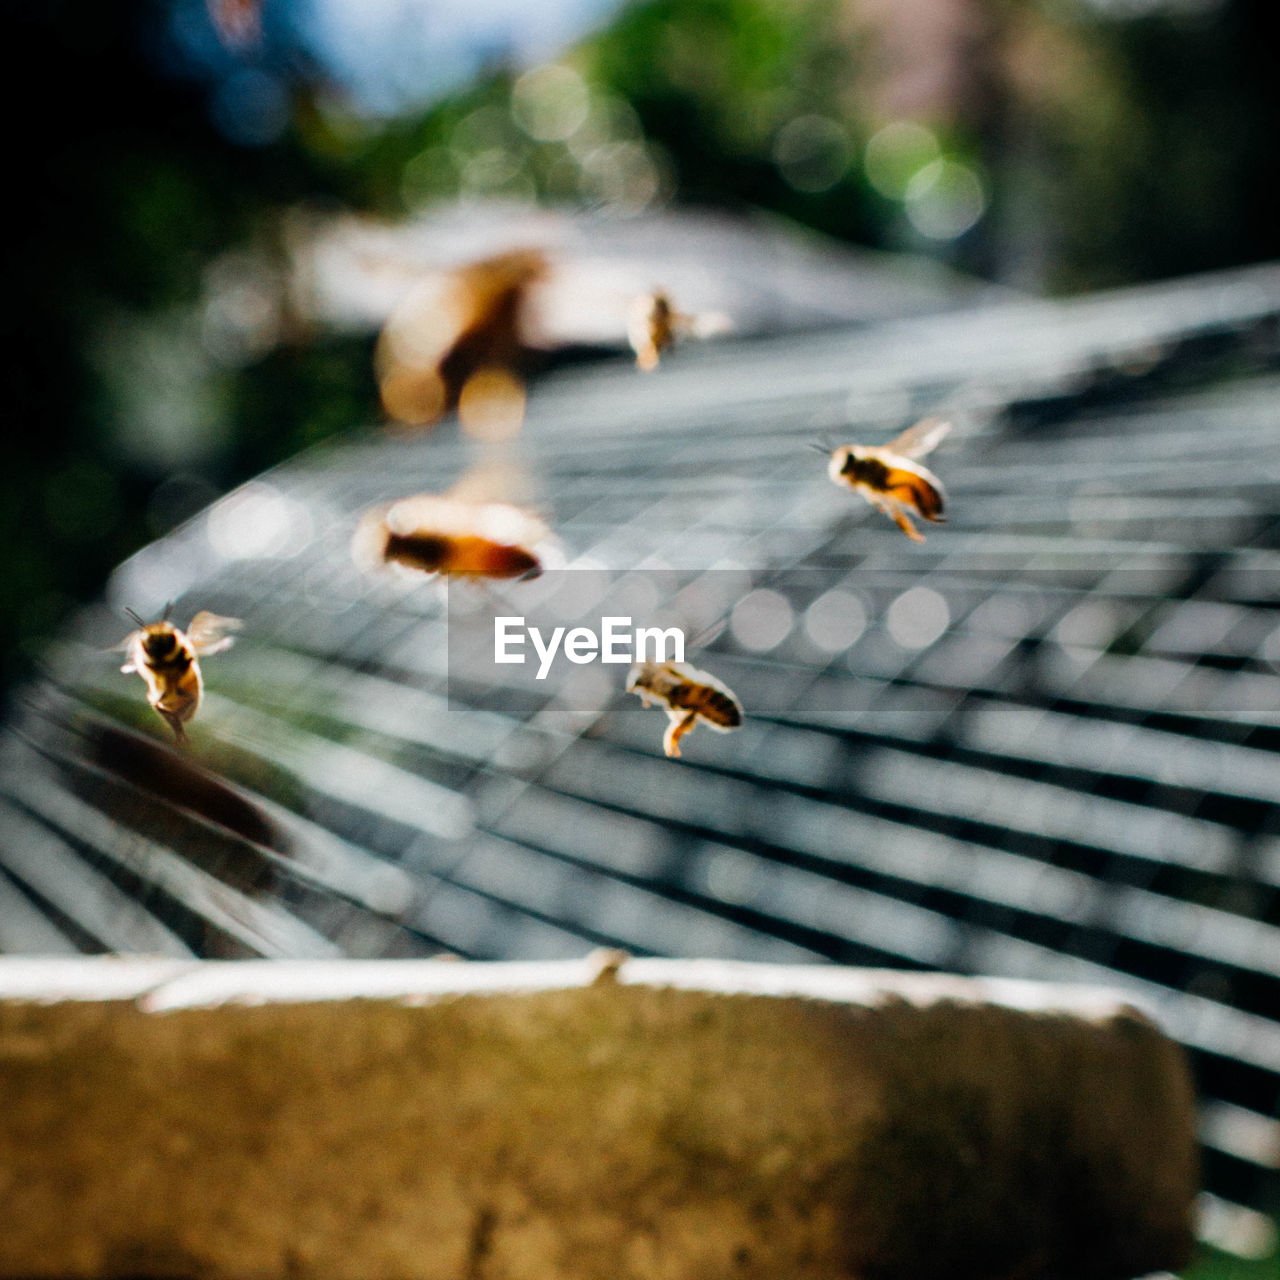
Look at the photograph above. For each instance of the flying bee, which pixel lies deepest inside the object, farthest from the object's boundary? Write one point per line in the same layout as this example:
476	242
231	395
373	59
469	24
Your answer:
890	478
237	22
451	537
654	326
689	696
475	319
167	659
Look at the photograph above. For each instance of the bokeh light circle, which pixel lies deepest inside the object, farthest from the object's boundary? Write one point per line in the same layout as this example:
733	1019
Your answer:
550	103
917	618
835	620
896	153
944	200
761	621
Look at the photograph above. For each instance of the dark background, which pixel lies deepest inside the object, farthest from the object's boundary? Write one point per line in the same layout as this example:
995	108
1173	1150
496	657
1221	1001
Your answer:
1110	149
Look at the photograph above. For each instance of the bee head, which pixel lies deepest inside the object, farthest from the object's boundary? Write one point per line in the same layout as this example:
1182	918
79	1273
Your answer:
638	677
837	461
425	551
160	641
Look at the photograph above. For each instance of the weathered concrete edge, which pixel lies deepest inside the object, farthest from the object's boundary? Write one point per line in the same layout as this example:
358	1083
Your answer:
157	985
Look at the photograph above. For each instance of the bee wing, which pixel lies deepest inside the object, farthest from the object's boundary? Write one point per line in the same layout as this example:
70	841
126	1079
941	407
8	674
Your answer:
916	441
124	646
207	632
494	480
706	324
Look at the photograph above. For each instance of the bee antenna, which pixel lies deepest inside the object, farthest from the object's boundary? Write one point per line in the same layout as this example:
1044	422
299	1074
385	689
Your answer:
135	617
164	617
820	446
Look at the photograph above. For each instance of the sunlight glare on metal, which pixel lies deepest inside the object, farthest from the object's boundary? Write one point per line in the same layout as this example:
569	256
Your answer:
589	692
1271	649
578	591
1007	615
636	595
1091	624
257	522
1235	1229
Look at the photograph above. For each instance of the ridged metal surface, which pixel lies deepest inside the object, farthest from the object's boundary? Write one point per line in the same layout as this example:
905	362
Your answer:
1078	778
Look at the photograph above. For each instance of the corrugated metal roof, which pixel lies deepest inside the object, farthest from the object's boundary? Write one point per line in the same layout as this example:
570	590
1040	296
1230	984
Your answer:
1049	749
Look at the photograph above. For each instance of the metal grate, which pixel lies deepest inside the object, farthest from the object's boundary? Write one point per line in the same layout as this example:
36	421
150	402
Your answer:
1077	775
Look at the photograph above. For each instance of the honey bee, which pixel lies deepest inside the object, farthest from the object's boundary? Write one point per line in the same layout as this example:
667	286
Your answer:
890	478
451	537
689	696
475	319
654	326
237	22
167	659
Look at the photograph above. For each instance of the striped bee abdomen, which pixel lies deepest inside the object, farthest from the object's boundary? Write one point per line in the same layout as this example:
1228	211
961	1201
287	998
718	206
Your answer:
917	492
711	704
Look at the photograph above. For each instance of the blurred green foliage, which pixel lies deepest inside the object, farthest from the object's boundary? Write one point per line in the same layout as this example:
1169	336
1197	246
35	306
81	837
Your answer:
1155	139
1210	1264
714	82
1090	151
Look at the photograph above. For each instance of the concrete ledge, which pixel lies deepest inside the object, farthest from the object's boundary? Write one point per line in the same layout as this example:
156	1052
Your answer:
673	1120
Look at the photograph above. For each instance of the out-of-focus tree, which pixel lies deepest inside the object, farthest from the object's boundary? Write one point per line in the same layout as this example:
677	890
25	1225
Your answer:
1147	138
138	222
155	164
1059	144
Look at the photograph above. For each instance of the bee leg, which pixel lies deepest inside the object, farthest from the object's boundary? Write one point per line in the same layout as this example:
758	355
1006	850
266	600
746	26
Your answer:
175	724
675	731
903	521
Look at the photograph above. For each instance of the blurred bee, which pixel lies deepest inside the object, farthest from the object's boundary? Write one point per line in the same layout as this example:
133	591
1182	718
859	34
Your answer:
689	696
890	478
451	537
167	659
476	319
237	22
654	326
